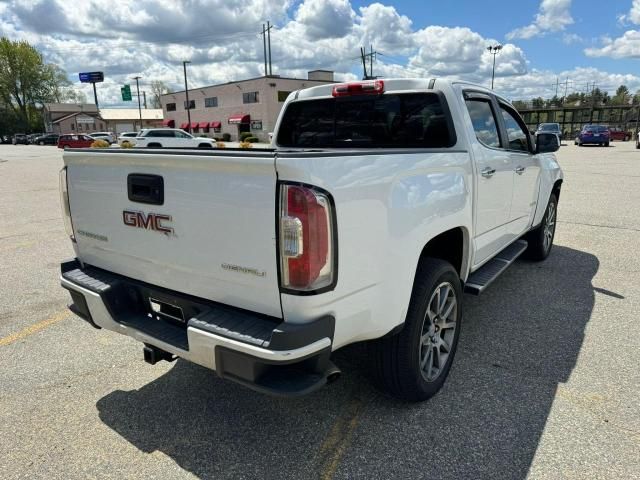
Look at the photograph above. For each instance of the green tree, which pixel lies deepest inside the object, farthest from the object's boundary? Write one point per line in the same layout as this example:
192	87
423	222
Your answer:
26	82
158	88
622	96
538	102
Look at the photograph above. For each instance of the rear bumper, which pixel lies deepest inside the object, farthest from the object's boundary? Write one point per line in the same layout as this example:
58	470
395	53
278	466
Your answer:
263	353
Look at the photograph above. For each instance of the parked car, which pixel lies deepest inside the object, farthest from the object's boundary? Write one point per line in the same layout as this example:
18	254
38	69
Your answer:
171	138
75	141
128	136
48	139
32	136
616	133
550	128
183	253
20	138
593	134
5	139
106	136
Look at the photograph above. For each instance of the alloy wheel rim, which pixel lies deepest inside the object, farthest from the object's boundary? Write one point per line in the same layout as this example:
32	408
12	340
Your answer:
438	331
549	226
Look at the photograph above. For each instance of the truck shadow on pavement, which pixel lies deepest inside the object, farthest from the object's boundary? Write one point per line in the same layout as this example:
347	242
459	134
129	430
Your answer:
520	340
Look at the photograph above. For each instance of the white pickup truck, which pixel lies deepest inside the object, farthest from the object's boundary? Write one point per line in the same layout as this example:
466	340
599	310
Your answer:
378	205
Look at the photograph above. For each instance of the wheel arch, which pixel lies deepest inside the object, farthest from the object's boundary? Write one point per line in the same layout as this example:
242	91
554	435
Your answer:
451	246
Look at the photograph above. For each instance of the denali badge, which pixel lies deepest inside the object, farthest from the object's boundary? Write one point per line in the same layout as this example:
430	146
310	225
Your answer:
239	269
149	221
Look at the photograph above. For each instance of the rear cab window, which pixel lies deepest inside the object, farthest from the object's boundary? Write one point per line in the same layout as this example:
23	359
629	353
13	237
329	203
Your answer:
403	120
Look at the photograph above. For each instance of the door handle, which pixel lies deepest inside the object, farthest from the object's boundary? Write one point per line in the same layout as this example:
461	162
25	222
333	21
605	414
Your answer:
520	170
488	172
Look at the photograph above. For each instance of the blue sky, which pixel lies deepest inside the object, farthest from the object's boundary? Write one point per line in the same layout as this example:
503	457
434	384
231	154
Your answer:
583	40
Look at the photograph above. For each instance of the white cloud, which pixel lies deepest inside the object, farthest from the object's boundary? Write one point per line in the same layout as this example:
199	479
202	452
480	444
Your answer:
151	38
633	16
552	16
326	18
626	46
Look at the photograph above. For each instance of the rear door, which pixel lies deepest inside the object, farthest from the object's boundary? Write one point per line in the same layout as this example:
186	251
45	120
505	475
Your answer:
526	170
210	233
494	177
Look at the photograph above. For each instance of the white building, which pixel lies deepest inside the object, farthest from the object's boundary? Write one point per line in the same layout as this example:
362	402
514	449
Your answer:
251	105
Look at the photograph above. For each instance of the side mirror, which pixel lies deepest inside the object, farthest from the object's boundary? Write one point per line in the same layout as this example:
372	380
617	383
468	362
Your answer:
547	143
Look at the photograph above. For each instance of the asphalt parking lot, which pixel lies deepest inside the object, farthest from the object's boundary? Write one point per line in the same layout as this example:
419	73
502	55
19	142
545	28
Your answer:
546	382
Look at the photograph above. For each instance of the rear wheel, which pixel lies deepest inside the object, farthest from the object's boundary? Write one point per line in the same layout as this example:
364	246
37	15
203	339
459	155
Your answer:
40	142
414	363
606	144
205	145
541	239
154	145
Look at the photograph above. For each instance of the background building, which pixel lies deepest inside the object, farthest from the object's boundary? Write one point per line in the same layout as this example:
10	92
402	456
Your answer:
86	118
244	106
120	120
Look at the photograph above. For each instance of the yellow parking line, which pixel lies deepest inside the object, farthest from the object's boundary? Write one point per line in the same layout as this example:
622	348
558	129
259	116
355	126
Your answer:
338	440
35	328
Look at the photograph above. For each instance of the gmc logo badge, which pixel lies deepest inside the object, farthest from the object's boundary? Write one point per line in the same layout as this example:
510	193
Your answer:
149	221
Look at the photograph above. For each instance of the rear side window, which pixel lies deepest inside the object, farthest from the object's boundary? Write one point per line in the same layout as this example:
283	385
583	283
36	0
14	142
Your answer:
484	122
413	120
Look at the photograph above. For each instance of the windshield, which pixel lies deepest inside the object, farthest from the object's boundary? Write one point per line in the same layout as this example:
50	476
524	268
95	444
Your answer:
390	120
549	127
596	128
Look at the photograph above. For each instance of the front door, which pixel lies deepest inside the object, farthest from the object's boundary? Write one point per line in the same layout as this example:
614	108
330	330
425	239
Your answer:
494	178
526	171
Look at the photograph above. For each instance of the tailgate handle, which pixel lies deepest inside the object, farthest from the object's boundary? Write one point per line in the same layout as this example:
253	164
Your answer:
145	188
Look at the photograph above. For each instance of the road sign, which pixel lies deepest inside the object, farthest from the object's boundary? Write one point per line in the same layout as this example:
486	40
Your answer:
91	77
126	93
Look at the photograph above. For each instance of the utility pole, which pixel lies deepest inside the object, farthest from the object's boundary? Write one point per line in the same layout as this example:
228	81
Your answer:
493	50
264	46
186	92
139	106
371	61
371	56
363	57
566	87
144	96
557	85
269	43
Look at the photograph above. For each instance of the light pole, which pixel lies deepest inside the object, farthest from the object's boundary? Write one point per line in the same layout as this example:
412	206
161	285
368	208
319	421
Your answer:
493	50
186	92
139	107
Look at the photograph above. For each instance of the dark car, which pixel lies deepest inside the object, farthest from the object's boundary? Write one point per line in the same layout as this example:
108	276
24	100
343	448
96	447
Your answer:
31	137
619	134
20	138
593	134
48	139
75	141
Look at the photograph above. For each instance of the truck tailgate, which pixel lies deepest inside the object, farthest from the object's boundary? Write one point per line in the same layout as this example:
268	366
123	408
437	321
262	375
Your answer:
214	236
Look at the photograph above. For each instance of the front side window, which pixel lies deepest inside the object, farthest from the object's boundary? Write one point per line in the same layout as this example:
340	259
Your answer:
250	97
484	122
413	120
516	134
171	107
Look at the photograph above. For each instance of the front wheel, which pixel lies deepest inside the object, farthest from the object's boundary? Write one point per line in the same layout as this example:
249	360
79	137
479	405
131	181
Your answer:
414	363
541	238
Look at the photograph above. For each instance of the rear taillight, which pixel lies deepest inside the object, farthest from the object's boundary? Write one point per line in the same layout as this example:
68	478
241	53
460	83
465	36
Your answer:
306	239
64	204
374	87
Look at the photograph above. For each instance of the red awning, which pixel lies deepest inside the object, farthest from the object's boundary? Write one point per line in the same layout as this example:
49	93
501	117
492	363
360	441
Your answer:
239	118
203	124
184	125
216	124
168	123
194	125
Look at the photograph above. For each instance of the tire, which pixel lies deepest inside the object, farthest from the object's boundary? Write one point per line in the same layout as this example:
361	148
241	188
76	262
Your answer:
154	145
541	238
205	145
401	361
41	143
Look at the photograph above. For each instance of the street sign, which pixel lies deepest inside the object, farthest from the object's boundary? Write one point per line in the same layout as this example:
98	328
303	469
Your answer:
91	77
126	93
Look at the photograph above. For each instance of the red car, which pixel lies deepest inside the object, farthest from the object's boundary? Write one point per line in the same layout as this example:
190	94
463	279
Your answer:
619	134
75	141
